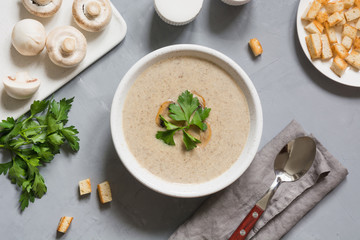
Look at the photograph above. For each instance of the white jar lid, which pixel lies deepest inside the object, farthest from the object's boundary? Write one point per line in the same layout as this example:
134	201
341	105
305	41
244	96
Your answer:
178	12
235	2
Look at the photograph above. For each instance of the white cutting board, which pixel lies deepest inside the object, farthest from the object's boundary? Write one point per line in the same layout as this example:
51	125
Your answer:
52	77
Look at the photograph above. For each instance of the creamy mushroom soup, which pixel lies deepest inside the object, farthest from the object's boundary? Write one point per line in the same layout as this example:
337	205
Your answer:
229	120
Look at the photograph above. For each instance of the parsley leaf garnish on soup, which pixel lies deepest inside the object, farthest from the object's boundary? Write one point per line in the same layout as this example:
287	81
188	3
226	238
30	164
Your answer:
187	112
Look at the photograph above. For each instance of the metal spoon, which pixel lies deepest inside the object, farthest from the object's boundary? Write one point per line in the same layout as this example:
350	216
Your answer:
291	163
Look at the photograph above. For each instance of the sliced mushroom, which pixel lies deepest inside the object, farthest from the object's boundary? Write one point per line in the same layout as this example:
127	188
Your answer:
163	111
66	46
92	15
202	101
205	136
22	86
28	37
42	8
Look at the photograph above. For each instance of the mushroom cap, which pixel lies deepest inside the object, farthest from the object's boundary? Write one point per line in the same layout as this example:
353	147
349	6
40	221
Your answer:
42	8
28	37
92	15
66	46
22	86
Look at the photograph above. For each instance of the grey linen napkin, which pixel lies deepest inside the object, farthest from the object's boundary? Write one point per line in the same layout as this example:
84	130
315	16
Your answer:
221	214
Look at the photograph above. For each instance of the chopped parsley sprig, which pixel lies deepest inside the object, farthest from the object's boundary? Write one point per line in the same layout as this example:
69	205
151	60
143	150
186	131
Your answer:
33	141
187	110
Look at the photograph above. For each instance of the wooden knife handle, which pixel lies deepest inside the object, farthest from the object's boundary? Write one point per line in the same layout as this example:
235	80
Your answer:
247	224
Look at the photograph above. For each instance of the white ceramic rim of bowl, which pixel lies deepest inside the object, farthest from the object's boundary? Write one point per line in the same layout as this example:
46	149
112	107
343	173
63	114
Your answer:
178	189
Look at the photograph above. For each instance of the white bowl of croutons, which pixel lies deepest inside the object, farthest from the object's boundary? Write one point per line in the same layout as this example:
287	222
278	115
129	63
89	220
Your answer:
328	34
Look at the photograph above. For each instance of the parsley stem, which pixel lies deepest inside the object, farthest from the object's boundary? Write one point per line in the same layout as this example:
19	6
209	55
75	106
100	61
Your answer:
21	156
28	129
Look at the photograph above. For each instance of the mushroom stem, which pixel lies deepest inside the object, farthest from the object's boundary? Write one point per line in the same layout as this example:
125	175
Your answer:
93	9
42	2
22	77
68	45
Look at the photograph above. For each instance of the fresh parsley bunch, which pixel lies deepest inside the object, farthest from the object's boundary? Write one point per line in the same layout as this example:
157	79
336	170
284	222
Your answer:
189	112
33	141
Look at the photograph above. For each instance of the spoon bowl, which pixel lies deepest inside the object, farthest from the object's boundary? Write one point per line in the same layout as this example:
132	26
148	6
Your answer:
295	159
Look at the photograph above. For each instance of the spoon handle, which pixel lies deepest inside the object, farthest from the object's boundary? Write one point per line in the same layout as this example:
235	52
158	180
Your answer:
247	224
249	221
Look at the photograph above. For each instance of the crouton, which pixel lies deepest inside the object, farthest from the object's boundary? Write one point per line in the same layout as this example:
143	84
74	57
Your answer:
319	26
352	14
347	42
322	16
353	59
331	33
314	27
313	42
357	26
64	224
348	3
349	31
357	44
335	6
85	186
357	3
343	21
340	50
335	18
255	47
311	11
323	1
104	192
338	66
326	52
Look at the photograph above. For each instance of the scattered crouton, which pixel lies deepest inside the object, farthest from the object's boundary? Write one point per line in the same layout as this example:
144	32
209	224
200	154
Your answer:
322	16
85	186
314	45
335	18
352	14
104	192
353	59
331	33
357	44
326	52
64	224
347	42
311	11
340	50
338	66
348	3
255	47
335	6
349	31
314	27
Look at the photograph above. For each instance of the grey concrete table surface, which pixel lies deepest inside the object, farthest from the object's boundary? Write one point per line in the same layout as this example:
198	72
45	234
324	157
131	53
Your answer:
289	88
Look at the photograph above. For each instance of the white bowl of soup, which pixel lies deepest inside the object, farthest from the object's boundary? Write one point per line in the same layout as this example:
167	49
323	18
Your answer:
235	121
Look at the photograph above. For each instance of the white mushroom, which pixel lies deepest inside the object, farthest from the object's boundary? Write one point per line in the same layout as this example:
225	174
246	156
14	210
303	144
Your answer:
66	46
22	86
92	15
28	37
42	8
